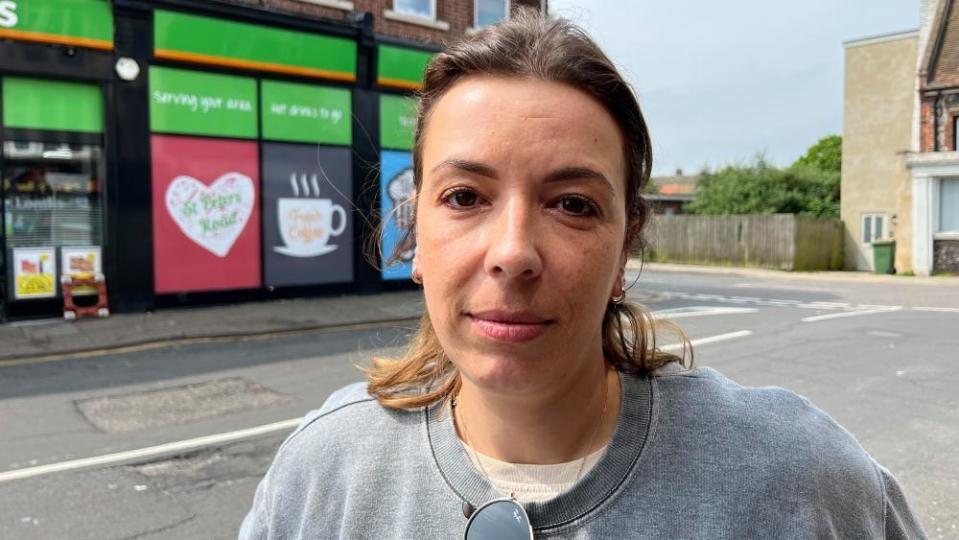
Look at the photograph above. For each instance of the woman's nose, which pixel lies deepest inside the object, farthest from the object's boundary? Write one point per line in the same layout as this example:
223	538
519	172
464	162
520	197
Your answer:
513	250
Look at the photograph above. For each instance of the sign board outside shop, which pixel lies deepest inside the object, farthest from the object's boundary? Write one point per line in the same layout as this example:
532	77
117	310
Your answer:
396	192
307	214
78	23
397	122
206	218
54	105
34	273
195	103
204	40
306	113
399	67
81	262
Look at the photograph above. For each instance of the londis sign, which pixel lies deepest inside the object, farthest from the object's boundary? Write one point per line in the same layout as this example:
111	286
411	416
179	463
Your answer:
78	23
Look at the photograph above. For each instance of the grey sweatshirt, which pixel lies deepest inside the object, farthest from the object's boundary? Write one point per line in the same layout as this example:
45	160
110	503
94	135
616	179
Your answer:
694	455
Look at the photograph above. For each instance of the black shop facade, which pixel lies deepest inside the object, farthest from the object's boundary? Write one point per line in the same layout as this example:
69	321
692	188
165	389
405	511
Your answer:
199	154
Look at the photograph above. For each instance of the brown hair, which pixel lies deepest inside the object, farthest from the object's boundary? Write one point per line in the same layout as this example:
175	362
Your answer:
555	50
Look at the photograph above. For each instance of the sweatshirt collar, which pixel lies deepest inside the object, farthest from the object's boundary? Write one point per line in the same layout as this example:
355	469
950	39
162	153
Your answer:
593	489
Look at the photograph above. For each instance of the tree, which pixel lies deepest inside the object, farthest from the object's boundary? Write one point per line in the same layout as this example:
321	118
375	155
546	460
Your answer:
825	155
761	188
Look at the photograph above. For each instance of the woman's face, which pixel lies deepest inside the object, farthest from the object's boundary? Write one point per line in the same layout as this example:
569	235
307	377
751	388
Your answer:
520	229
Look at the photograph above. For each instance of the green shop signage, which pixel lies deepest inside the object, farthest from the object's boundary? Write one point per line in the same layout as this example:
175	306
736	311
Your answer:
78	23
189	38
401	68
397	122
53	105
196	103
305	113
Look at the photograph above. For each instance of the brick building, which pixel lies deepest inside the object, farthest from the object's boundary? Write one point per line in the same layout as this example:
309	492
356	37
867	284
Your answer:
424	21
934	162
900	170
209	151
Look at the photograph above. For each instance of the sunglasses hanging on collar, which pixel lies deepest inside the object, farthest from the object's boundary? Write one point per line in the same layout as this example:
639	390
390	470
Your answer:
499	519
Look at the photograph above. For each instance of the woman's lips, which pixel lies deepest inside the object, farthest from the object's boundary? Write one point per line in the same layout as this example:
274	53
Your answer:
509	327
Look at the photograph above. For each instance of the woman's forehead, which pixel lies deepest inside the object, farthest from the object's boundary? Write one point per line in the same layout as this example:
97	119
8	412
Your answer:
522	121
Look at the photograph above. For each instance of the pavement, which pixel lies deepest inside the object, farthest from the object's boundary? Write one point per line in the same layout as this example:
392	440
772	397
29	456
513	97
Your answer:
37	340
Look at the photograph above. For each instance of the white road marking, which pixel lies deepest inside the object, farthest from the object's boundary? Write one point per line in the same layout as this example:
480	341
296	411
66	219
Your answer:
850	314
779	302
815	306
937	309
841	305
781	287
710	339
700	311
141	454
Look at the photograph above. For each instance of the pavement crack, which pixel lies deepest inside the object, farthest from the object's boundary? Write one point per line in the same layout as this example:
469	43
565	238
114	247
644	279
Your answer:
156	530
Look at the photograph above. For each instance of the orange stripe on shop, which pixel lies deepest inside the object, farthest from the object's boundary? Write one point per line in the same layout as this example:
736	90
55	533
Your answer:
40	37
252	64
399	83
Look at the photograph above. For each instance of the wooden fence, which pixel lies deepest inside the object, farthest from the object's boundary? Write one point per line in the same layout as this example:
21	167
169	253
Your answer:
782	241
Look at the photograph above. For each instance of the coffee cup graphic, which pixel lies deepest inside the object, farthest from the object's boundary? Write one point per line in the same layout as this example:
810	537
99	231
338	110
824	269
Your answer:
307	224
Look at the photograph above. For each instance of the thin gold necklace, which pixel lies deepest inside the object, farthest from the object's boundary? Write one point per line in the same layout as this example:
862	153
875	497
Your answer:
582	463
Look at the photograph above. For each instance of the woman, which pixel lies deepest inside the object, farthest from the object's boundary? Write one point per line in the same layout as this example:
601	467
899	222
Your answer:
531	379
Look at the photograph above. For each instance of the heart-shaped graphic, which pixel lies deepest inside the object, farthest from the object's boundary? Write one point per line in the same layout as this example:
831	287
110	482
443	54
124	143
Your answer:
212	216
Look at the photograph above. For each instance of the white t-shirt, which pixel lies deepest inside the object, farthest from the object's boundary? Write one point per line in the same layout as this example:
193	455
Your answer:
529	482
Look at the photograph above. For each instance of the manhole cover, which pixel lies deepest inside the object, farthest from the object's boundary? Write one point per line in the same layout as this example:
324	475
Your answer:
176	405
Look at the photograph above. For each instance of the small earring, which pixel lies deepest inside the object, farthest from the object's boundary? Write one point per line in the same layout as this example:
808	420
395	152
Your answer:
619	298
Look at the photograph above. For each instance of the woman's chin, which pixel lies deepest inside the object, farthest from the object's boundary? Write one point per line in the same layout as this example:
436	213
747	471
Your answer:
505	373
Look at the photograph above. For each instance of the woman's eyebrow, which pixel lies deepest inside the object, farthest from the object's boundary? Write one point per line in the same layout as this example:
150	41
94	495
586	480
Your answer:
578	173
563	174
467	166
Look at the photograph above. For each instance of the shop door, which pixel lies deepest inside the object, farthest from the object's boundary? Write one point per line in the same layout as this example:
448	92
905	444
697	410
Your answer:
52	192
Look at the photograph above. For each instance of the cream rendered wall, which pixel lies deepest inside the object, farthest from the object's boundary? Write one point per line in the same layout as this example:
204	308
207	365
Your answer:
880	78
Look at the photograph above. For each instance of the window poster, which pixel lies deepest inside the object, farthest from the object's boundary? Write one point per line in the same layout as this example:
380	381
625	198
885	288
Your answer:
396	190
307	214
81	262
34	273
206	222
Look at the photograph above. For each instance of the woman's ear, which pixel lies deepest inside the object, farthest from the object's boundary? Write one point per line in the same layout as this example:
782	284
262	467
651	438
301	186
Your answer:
618	291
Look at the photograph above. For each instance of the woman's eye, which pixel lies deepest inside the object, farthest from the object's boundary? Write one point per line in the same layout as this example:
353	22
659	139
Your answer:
461	198
577	206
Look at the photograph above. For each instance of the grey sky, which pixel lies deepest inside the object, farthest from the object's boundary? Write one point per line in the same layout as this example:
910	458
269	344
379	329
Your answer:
720	81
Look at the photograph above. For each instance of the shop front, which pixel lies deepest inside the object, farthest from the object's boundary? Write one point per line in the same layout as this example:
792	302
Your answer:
200	154
54	155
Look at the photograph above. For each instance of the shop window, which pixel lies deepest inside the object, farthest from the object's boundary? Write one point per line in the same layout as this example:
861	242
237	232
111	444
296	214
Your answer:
52	194
417	8
949	206
489	12
873	227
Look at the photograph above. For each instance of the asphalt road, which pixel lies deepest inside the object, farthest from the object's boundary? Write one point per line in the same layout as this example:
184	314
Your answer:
880	359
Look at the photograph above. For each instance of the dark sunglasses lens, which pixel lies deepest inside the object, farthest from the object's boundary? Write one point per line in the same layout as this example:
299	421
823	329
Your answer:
501	520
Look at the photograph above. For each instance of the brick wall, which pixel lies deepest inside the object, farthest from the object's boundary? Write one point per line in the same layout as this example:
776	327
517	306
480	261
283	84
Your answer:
945	256
940	76
457	13
946	68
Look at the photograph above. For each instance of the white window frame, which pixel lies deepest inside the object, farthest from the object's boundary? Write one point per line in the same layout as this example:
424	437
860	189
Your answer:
431	16
939	231
873	237
476	6
344	5
409	18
